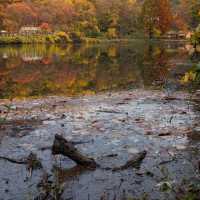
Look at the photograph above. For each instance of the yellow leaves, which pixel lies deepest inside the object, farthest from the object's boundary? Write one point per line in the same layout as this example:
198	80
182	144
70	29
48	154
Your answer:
188	77
157	51
132	2
112	33
23	92
83	83
112	52
83	7
84	24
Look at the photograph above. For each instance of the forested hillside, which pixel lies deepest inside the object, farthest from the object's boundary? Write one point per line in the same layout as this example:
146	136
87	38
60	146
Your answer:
96	18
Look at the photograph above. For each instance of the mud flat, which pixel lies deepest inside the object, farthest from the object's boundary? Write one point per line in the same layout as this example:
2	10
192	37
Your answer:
111	128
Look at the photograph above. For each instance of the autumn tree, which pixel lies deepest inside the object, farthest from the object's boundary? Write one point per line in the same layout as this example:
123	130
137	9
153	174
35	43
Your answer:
195	13
85	18
149	16
127	22
2	14
187	14
57	13
3	5
19	14
156	14
165	15
108	16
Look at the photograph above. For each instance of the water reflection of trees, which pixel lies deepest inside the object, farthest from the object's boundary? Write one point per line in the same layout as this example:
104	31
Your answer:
82	69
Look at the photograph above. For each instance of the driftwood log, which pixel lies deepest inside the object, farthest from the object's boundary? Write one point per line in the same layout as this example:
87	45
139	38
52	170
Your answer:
66	148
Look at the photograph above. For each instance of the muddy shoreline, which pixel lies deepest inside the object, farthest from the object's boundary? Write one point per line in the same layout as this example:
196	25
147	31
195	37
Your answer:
120	124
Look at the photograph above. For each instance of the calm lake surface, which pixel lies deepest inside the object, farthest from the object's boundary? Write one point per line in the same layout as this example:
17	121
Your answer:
32	71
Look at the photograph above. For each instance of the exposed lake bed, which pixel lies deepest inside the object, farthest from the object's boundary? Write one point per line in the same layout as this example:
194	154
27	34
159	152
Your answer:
120	124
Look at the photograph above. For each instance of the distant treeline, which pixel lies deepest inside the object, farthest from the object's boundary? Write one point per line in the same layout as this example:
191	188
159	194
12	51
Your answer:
101	18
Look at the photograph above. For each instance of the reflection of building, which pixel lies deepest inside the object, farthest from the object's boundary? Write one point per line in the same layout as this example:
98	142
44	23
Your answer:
3	32
175	35
171	34
31	58
181	35
4	56
189	35
30	30
31	53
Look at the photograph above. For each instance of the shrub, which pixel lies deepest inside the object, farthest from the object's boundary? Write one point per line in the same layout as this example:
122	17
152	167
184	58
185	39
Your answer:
62	37
157	33
195	39
76	37
17	40
90	30
91	40
10	40
50	38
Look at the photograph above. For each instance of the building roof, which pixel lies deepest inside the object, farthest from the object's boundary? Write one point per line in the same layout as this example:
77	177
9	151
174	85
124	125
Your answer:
30	28
3	31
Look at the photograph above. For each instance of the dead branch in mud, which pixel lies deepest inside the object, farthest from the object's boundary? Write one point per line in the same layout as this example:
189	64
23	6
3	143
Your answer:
12	160
31	161
134	162
62	146
109	111
66	148
167	161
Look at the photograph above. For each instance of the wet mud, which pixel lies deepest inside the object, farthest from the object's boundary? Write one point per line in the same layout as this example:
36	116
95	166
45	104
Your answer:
111	128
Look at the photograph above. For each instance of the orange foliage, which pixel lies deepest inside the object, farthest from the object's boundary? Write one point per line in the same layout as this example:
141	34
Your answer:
22	12
46	61
165	15
45	26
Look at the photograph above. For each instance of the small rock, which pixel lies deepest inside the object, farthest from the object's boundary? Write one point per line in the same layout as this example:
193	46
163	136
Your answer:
149	133
164	134
112	155
148	173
